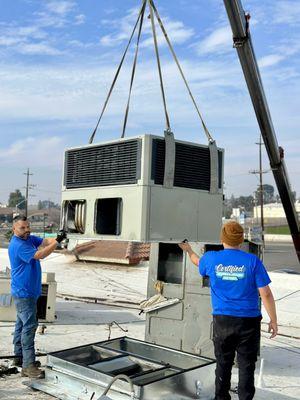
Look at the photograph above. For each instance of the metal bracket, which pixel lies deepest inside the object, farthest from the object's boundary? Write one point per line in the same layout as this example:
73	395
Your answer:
214	168
169	159
199	388
239	41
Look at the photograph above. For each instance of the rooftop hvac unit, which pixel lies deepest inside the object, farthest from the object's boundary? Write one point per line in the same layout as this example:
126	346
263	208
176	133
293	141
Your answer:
145	188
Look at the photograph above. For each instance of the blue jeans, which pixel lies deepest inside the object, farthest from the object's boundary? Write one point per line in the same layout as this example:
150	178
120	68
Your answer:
25	329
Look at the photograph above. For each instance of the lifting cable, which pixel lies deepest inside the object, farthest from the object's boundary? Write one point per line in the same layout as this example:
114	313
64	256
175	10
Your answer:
153	12
117	73
168	128
152	6
134	66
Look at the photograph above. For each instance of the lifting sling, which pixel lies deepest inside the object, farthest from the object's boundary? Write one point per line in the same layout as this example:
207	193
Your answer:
170	147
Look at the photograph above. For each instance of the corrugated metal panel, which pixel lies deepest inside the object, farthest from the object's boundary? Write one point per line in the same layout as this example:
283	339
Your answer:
192	165
103	165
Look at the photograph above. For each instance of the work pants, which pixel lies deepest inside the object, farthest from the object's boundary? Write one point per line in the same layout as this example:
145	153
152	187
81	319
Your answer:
25	329
241	336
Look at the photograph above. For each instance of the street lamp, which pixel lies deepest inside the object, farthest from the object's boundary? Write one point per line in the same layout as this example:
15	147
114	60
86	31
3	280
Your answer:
18	205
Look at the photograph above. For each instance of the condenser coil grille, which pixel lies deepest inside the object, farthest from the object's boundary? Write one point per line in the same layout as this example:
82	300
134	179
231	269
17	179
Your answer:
103	165
192	165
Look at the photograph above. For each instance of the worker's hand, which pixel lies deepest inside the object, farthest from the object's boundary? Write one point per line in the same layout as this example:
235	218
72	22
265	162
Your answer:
185	246
61	235
273	329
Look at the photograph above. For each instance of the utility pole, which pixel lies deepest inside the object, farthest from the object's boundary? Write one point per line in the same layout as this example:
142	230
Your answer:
27	187
262	222
260	172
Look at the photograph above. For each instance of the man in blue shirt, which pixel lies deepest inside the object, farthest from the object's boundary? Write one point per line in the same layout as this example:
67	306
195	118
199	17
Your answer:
236	281
24	254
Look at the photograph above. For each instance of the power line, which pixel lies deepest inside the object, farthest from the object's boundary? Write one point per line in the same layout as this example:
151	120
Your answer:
45	190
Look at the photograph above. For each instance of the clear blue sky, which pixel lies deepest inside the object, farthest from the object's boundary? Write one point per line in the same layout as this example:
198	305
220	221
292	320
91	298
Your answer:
58	58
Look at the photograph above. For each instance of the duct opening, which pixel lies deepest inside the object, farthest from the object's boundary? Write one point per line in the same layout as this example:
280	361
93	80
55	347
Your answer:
170	267
126	364
42	303
87	355
108	216
74	214
213	247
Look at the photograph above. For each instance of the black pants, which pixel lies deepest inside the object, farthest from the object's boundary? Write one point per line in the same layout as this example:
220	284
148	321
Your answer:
235	335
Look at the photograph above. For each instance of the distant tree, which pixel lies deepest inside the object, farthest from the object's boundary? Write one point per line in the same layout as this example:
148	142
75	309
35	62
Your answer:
233	202
268	194
243	202
46	204
16	199
227	207
246	202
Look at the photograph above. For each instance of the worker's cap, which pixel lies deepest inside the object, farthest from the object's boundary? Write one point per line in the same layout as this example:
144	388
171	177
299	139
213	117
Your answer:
232	233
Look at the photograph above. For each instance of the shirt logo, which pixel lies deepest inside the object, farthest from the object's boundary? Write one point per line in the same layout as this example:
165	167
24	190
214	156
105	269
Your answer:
230	272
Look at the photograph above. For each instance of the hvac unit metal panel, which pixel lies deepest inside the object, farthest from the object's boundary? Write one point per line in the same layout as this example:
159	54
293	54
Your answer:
45	304
7	309
156	330
198	319
175	312
192	165
133	216
103	165
119	187
188	323
190	329
179	213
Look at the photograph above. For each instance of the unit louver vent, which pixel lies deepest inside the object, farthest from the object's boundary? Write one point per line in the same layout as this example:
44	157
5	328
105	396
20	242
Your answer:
192	165
103	165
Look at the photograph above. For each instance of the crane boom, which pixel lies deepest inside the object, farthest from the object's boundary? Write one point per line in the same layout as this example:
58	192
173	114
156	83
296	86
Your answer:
239	22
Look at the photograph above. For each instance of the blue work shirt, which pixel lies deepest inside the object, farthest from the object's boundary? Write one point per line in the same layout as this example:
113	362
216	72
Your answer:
25	270
235	277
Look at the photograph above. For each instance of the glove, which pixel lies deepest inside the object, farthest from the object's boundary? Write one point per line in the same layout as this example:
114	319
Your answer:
61	235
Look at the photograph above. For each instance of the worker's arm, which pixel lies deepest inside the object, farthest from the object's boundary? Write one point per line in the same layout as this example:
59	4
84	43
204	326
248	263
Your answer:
193	256
45	251
47	241
269	304
50	246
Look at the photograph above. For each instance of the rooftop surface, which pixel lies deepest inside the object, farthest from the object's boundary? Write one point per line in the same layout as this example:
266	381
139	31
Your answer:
79	323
